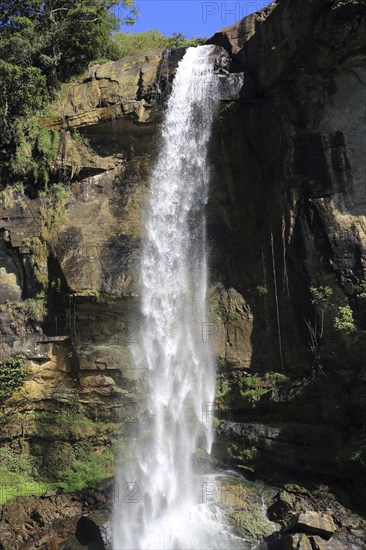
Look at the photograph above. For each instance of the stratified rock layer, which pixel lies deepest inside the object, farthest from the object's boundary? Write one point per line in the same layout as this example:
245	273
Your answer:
286	214
287	220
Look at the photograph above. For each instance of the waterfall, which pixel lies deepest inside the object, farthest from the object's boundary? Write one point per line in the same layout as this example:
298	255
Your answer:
166	509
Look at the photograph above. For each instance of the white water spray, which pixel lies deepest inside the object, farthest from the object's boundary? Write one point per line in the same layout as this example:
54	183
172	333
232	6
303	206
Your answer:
167	508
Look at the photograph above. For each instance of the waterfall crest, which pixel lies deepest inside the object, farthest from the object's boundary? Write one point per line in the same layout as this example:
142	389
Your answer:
167	511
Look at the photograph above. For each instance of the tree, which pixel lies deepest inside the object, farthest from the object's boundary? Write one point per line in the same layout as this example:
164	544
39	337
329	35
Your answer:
59	37
42	44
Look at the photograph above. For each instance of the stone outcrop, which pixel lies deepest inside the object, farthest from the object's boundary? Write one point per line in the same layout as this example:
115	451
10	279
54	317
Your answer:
314	519
112	90
313	523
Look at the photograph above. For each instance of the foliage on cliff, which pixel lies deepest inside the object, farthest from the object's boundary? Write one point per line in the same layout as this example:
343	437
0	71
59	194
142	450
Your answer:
12	375
43	44
133	43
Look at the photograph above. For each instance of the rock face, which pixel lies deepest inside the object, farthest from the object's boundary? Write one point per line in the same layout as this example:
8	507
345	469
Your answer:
287	228
287	245
111	90
70	265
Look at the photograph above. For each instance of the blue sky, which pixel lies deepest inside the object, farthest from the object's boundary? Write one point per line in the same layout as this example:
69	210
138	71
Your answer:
192	17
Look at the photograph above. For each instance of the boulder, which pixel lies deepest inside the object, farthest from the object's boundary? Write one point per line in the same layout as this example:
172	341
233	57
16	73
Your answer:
315	523
233	38
95	531
299	541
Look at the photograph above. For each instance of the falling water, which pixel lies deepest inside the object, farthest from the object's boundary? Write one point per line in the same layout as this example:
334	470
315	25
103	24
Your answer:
166	508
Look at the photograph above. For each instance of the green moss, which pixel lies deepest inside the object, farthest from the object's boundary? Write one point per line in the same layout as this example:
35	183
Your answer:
38	257
73	417
252	524
52	213
12	375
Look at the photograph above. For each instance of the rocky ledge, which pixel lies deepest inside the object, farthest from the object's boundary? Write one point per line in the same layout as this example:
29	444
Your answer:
290	519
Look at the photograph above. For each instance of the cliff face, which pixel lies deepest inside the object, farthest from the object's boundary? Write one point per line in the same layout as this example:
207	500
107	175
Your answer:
70	265
288	235
286	215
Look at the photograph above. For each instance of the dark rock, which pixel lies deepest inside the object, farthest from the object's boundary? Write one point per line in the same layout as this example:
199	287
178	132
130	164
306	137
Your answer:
95	531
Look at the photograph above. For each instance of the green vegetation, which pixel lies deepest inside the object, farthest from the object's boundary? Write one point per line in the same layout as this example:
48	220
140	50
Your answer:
320	295
12	375
53	209
52	212
222	386
253	387
344	321
86	469
71	415
17	484
363	289
226	315
249	453
35	149
85	462
42	45
136	43
99	297
10	194
36	308
81	467
17	463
